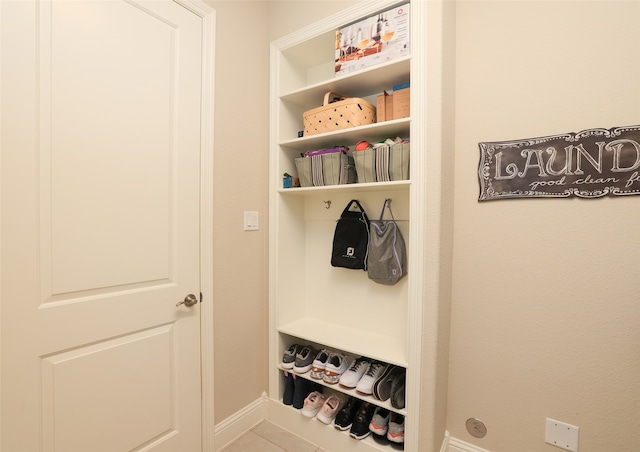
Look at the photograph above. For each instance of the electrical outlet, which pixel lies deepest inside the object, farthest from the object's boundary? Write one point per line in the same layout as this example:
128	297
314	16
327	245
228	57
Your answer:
562	435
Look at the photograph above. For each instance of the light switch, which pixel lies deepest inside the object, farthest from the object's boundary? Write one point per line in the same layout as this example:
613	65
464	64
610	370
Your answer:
250	220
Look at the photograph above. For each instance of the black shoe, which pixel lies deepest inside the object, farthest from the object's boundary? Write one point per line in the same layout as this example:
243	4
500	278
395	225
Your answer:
287	397
360	426
382	387
398	390
344	419
301	389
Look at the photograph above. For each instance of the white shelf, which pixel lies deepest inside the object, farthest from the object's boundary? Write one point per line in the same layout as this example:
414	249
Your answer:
350	392
361	83
353	340
372	132
368	187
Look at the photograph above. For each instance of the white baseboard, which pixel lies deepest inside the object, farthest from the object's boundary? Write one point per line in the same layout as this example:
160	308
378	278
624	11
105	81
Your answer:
445	442
240	423
244	420
451	444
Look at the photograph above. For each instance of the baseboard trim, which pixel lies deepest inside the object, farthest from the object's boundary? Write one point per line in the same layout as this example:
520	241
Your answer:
445	442
248	417
240	423
452	444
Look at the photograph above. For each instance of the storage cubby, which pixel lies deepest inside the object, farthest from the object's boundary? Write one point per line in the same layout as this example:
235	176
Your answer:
312	302
338	307
287	340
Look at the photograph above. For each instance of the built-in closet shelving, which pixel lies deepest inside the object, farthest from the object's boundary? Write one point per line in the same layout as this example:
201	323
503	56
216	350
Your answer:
310	301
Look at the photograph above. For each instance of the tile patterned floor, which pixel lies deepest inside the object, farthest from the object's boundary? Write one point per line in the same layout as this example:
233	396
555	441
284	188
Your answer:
268	437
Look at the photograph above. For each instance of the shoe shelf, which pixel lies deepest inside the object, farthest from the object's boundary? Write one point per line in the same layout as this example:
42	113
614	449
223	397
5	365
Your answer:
349	392
325	435
378	346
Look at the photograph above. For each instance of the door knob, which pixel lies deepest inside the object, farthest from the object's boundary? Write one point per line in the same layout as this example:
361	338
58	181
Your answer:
188	301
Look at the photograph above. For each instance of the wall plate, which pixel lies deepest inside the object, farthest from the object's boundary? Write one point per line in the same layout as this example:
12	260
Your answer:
250	220
561	434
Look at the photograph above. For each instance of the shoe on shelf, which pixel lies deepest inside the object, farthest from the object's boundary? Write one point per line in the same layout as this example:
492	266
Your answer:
344	418
301	389
318	364
330	409
352	376
375	369
287	396
382	386
337	364
380	421
304	359
362	419
398	390
312	404
289	356
395	433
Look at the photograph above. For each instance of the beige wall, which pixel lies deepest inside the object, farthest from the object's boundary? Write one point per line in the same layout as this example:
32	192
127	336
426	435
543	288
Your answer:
545	311
288	16
244	30
240	172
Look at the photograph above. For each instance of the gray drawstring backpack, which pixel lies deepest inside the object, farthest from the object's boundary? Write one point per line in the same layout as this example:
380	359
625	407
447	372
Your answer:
387	259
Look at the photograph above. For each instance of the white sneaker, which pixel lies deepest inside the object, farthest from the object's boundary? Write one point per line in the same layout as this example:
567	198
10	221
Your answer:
375	369
312	404
336	365
351	377
318	365
330	409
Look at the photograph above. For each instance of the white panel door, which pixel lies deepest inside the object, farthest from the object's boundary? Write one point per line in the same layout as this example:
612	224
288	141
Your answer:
100	201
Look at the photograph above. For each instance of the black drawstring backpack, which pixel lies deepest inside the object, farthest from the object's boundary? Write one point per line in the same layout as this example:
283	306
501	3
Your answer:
351	239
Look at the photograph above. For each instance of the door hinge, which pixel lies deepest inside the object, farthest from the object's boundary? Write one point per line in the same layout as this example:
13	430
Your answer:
200	297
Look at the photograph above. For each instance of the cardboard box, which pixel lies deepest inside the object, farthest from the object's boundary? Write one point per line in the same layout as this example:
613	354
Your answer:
401	103
384	108
378	39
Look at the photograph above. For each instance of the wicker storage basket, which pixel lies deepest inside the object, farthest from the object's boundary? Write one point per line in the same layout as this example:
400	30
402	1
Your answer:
343	114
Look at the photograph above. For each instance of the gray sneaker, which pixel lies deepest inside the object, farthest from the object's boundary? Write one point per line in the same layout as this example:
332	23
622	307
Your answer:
304	359
289	356
395	432
382	386
380	422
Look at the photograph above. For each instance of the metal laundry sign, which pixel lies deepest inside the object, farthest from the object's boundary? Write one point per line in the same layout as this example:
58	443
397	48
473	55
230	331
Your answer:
589	164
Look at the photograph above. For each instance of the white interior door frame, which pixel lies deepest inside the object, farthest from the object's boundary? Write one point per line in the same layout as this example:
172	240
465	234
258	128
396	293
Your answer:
208	16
